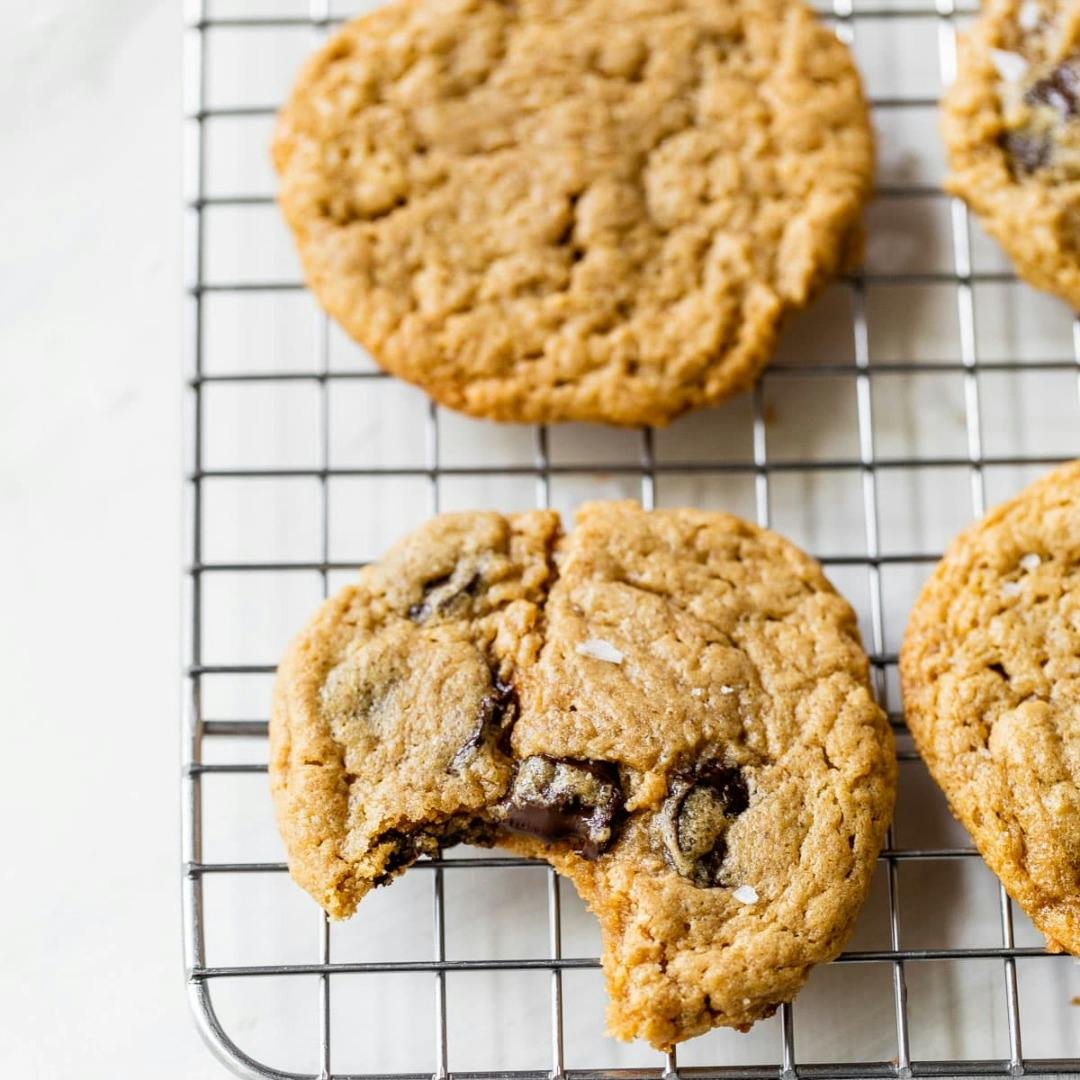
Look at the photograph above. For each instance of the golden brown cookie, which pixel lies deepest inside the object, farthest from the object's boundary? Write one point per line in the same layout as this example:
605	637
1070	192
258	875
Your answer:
672	708
574	209
991	679
1012	127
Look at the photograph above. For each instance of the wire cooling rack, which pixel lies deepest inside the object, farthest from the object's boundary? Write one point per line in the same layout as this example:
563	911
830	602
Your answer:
915	393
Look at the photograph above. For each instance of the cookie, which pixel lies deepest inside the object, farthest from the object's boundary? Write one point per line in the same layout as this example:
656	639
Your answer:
1012	127
596	210
990	670
672	708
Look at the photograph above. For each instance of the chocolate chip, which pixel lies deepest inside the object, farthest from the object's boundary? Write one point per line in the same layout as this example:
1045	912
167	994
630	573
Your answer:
495	718
440	596
504	716
1060	89
579	801
407	847
1031	148
696	816
1027	150
419	612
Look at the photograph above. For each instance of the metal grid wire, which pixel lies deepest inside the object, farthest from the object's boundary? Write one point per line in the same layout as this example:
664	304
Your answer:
868	465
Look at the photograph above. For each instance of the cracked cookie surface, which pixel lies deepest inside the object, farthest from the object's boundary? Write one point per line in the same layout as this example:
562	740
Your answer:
990	669
1012	127
670	707
574	209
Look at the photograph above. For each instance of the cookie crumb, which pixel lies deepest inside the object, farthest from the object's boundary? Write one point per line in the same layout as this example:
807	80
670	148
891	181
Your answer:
746	894
1009	65
599	649
1030	561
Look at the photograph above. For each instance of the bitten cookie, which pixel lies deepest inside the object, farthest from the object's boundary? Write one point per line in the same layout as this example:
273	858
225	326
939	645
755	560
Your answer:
672	708
1012	127
574	209
991	680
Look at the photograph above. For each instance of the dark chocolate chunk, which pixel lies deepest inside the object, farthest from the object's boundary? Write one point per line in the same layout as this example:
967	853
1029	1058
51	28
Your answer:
441	596
494	722
420	611
430	841
579	801
1060	89
505	713
406	850
696	816
1027	150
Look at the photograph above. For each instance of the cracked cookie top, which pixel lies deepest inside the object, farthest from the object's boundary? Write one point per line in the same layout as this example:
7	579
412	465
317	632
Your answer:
574	209
1012	128
991	678
671	707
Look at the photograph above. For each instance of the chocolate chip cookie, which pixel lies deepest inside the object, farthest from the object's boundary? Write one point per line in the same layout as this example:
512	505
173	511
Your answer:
672	708
1012	126
594	210
991	679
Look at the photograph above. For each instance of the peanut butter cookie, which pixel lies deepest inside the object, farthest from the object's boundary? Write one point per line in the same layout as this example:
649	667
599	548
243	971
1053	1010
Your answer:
991	679
1012	126
596	210
672	708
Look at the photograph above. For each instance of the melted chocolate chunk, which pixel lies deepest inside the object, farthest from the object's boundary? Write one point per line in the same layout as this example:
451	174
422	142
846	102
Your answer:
406	850
494	722
1060	89
1032	147
410	846
419	612
1027	150
440	596
695	818
579	801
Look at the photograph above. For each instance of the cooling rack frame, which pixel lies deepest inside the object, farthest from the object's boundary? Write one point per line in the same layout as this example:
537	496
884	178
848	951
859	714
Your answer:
868	465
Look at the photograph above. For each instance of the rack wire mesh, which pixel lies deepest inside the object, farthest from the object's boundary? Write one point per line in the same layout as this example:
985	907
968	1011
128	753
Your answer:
869	440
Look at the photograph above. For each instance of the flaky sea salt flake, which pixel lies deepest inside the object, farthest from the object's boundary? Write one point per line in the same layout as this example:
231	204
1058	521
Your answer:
1009	65
727	689
599	649
746	894
1029	16
1030	562
1011	588
697	692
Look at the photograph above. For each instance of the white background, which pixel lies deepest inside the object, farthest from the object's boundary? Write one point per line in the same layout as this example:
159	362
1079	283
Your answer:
90	318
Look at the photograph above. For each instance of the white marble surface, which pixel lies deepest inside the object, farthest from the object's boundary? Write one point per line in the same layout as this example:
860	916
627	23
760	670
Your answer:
90	347
90	324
